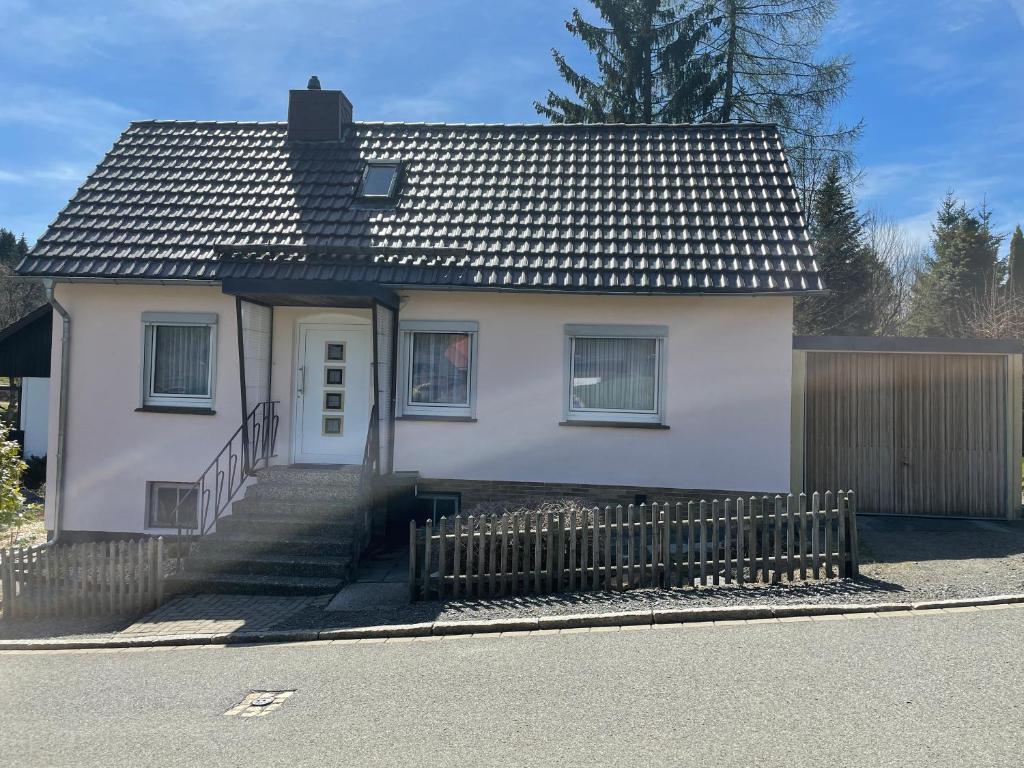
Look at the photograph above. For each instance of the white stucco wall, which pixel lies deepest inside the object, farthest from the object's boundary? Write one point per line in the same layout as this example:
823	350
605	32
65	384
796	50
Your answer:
727	384
112	450
35	412
728	396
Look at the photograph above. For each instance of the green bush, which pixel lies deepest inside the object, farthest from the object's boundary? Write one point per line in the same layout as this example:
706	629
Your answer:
11	466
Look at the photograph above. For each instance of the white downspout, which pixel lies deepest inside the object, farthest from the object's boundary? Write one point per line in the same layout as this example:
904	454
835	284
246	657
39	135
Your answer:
62	411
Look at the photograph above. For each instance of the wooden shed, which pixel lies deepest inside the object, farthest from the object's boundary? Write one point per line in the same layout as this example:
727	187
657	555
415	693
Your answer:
915	426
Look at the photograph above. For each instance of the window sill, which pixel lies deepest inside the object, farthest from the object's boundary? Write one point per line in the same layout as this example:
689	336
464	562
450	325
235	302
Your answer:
613	424
439	417
176	409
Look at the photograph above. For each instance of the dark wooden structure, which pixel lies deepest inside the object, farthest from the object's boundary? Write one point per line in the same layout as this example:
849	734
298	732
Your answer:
25	345
24	353
914	426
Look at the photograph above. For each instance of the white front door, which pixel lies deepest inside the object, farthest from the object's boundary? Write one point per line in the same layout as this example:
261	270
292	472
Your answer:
332	393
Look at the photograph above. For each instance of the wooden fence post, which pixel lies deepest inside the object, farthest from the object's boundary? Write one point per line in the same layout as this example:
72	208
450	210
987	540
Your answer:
482	550
815	536
492	556
777	540
690	543
803	535
740	540
828	534
715	543
678	527
852	518
727	542
790	537
607	548
766	544
666	545
703	543
159	587
841	529
427	542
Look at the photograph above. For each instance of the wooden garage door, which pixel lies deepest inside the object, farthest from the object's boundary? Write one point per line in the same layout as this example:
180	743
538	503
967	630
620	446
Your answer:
919	434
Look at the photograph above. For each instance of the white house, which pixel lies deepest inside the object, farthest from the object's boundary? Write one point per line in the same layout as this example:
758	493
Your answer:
501	310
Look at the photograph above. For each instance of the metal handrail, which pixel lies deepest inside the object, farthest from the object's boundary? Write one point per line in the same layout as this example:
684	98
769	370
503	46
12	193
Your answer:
251	446
371	453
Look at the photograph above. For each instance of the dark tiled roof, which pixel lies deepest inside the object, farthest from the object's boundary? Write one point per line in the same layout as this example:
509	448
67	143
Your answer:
589	207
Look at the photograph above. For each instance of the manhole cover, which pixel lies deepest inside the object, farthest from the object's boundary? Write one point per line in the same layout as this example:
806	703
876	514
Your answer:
259	703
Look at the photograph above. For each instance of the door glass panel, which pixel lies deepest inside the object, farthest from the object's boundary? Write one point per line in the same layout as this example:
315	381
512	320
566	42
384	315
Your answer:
335	351
335	377
334	401
333	425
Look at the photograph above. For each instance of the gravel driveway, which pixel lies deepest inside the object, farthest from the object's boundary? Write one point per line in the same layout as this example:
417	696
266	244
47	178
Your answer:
924	558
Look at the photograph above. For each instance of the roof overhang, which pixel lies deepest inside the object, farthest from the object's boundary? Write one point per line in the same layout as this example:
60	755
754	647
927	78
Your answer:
309	293
907	344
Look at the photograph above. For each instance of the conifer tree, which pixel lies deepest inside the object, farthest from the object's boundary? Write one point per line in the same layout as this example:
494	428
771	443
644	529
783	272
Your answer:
854	275
962	271
1016	262
649	68
772	73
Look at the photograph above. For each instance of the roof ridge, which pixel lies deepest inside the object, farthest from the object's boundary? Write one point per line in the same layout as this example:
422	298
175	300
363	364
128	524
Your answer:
426	124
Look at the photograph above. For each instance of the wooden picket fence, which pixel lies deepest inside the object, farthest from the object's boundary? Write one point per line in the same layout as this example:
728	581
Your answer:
766	539
111	578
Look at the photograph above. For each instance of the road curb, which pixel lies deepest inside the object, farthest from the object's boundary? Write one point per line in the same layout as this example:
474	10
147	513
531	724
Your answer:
703	614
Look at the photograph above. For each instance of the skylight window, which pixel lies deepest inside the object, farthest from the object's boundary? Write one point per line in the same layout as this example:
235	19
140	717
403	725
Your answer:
380	179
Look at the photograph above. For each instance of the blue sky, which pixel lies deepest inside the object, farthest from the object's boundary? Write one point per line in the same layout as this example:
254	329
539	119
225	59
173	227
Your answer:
939	83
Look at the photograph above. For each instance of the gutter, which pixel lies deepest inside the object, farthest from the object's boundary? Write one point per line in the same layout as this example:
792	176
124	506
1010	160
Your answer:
62	414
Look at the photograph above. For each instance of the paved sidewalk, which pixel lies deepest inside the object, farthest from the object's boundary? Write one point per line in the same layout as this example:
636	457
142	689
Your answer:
217	614
383	581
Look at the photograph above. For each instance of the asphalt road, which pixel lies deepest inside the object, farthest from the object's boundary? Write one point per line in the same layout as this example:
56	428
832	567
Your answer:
913	690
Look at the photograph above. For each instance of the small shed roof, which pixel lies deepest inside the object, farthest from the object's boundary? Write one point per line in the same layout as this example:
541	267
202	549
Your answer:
25	345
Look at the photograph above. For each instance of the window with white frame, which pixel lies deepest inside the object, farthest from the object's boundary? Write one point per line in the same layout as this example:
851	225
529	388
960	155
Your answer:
162	509
178	359
615	373
438	371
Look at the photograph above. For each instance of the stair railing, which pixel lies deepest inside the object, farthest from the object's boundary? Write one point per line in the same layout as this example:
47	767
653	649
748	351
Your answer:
370	471
250	448
371	453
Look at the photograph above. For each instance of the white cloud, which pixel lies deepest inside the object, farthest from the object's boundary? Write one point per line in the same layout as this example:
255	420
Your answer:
86	122
58	173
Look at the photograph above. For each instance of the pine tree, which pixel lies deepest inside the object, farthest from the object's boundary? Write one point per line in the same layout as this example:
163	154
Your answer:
961	273
771	73
714	60
857	280
649	68
1016	262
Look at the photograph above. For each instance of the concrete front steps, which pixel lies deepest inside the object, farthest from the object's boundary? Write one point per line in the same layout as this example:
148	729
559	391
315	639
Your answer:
299	530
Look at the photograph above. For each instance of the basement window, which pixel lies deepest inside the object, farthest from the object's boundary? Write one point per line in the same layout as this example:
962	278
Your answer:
163	502
434	506
380	179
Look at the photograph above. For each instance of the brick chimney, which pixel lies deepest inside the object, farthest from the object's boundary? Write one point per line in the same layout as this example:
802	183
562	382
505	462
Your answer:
317	115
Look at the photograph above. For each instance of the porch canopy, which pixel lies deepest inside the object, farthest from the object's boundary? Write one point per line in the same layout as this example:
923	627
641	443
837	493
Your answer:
255	299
